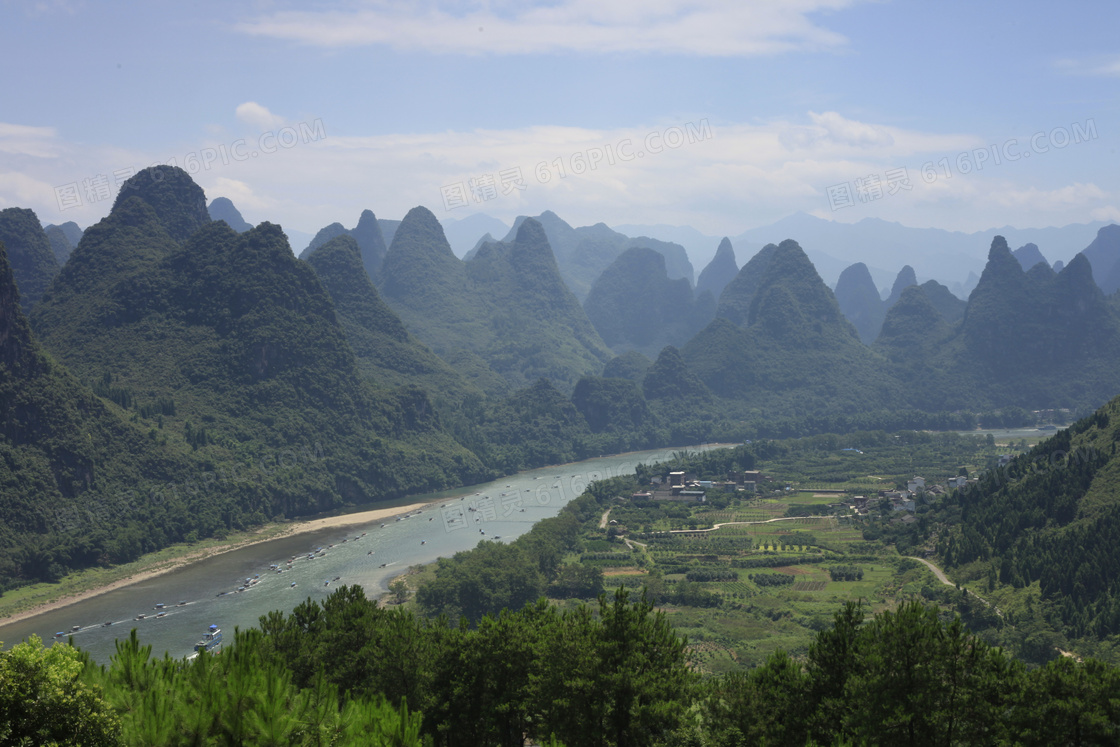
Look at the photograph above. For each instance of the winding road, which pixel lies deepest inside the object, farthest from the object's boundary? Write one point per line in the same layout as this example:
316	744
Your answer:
945	580
714	527
936	571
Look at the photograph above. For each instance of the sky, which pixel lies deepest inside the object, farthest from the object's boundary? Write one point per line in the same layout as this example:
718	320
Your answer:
720	115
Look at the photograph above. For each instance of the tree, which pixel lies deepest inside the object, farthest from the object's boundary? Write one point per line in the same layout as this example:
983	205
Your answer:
831	662
1069	703
767	705
922	682
44	700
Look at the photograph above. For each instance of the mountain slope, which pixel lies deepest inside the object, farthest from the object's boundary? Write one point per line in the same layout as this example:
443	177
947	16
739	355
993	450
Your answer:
859	301
32	261
70	229
912	330
61	245
734	303
540	330
222	208
507	305
235	344
1050	517
949	306
634	304
368	234
322	236
630	365
371	244
384	351
179	204
1035	339
79	486
1103	254
902	281
1029	256
796	354
720	271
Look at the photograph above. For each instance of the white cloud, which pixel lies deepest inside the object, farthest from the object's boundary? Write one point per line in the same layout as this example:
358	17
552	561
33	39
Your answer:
240	193
1108	212
254	114
1106	66
693	27
21	190
1044	199
28	141
720	177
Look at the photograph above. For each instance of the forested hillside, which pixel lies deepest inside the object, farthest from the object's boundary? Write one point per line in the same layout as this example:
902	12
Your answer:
81	485
226	351
507	305
1047	524
30	255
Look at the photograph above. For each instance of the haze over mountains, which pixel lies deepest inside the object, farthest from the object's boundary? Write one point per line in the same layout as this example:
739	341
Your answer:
403	368
507	304
882	245
953	258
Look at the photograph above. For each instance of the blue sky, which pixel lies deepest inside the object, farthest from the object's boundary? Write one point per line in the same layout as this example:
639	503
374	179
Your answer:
828	107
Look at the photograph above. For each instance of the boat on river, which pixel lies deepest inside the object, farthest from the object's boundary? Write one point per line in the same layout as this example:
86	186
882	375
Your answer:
211	640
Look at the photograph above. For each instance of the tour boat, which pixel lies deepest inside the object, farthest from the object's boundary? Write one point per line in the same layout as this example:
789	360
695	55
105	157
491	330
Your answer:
210	641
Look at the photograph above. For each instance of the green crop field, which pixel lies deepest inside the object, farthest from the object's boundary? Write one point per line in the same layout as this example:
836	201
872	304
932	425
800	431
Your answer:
760	581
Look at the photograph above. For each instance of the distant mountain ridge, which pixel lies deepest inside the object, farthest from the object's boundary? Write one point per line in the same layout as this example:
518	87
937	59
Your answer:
507	305
719	272
583	253
859	301
634	304
780	342
222	208
63	239
384	350
367	233
884	246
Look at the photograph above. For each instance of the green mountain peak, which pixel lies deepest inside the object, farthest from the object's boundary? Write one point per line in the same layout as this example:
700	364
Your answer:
179	203
30	255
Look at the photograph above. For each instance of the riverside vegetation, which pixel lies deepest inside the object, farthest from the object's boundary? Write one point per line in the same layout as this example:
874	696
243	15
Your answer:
482	658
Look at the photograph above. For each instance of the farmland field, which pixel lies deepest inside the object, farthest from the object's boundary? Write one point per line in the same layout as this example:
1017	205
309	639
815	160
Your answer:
745	574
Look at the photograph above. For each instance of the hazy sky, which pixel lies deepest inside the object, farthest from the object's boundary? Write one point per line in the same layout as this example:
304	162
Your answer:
720	115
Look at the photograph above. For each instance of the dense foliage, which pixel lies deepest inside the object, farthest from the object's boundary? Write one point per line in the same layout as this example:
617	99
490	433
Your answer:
1043	526
616	677
350	672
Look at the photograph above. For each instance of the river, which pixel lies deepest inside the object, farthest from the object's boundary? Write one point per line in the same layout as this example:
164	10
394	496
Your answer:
205	592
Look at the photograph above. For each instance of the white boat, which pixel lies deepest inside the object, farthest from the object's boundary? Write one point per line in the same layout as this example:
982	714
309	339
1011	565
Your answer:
210	641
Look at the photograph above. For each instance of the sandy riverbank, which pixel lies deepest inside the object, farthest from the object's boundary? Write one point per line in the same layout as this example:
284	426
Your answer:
161	567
